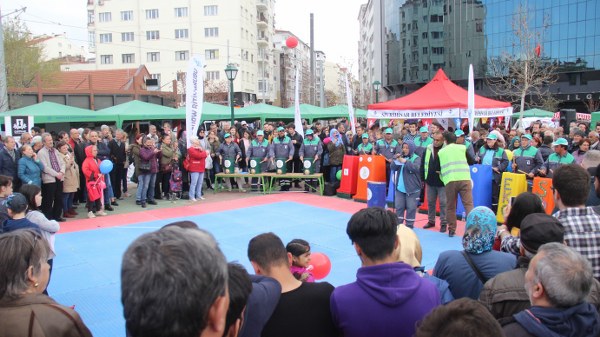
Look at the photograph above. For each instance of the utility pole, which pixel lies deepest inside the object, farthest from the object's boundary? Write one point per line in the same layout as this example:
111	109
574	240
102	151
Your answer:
312	59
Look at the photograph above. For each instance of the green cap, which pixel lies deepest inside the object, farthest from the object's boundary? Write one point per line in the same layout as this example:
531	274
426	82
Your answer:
227	135
365	136
459	133
424	129
260	133
560	141
310	132
492	136
389	131
528	136
280	129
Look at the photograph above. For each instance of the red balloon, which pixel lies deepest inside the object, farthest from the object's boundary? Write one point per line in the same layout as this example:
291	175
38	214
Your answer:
321	265
291	42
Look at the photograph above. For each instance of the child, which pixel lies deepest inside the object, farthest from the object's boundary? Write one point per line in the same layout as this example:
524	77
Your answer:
301	268
17	207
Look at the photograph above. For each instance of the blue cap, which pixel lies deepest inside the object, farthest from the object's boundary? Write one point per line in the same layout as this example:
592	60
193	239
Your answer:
459	133
561	141
492	136
260	133
528	136
227	135
389	131
424	129
310	132
365	136
280	128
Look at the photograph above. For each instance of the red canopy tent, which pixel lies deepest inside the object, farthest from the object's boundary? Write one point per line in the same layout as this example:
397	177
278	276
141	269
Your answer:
440	98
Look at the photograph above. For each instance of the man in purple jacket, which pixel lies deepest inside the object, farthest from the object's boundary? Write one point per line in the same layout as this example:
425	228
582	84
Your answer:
388	297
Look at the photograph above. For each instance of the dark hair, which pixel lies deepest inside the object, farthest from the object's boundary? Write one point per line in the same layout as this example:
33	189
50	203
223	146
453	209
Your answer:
20	249
525	204
548	140
449	137
267	250
30	191
60	144
240	287
5	181
297	247
572	183
373	229
537	139
170	279
463	317
182	224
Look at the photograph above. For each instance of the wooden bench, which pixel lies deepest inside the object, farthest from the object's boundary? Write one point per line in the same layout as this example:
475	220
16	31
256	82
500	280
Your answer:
318	176
223	176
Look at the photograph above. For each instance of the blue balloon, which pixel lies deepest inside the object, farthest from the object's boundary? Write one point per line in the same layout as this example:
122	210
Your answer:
106	166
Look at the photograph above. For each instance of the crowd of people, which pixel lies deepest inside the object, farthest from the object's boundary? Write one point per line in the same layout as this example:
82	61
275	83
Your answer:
534	275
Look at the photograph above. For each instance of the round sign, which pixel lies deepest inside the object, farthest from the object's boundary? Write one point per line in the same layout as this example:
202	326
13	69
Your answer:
369	194
364	173
306	172
474	169
279	163
369	159
307	164
227	163
252	163
252	171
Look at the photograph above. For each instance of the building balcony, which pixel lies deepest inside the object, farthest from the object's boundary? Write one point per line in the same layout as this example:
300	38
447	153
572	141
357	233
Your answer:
262	41
262	21
262	5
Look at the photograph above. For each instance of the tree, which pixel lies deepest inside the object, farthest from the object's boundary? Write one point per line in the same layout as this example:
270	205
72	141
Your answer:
523	73
24	58
331	97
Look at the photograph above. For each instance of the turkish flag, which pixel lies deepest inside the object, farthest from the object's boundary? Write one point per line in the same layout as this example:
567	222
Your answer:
538	50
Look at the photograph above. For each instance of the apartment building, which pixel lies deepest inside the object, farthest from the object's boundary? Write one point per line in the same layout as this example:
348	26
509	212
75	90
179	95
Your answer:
163	35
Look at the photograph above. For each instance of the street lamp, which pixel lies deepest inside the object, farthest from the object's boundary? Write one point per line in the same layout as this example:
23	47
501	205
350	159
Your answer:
376	87
231	72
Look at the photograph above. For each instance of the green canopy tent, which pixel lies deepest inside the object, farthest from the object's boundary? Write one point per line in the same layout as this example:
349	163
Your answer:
338	111
49	112
534	113
263	112
140	111
212	112
309	112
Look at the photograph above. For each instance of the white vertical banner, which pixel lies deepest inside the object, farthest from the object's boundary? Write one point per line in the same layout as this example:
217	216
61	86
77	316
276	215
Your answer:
297	116
350	108
194	96
471	100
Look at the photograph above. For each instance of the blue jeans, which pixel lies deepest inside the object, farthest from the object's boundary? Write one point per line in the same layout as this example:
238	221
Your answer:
108	191
143	187
406	207
67	201
333	172
151	186
196	184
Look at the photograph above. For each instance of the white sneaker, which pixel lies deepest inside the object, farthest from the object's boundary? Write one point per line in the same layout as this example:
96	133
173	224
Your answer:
91	215
193	200
101	213
242	190
201	198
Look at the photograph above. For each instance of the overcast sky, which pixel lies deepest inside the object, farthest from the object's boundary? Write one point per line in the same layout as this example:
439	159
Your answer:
336	24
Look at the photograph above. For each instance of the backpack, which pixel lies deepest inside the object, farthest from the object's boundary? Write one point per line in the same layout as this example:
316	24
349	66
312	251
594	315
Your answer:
176	179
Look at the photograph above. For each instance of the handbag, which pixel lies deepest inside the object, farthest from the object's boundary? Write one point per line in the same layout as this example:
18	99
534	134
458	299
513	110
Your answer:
166	168
474	267
208	163
186	163
145	165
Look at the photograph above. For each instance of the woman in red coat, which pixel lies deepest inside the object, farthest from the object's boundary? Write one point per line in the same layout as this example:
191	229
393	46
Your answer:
197	164
91	171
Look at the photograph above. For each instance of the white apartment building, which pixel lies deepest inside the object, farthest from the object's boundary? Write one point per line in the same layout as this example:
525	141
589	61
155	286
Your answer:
288	59
371	50
58	46
163	35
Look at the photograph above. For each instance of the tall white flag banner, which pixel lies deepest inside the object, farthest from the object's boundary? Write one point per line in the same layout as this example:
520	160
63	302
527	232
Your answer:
297	116
194	96
471	100
350	108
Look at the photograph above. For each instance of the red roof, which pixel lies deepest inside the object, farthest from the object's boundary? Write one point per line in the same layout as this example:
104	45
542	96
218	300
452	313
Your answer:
440	93
116	79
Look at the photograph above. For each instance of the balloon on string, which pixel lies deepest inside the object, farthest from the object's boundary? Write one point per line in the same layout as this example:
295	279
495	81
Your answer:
291	42
106	166
338	175
321	265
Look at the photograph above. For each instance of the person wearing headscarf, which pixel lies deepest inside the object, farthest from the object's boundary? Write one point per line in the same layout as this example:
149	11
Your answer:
467	271
336	153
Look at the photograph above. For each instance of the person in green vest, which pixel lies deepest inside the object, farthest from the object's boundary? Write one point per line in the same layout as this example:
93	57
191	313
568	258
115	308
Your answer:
461	140
493	155
430	174
423	141
311	149
408	184
389	148
455	173
282	147
365	147
259	149
527	159
561	156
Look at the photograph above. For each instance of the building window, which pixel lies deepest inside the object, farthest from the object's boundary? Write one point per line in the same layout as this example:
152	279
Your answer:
153	57
181	12
211	32
106	38
213	75
437	50
437	66
424	35
91	39
90	17
152	35
182	55
425	50
104	17
181	33
437	35
156	77
128	58
151	13
425	66
211	10
106	59
126	15
211	54
436	18
572	78
127	37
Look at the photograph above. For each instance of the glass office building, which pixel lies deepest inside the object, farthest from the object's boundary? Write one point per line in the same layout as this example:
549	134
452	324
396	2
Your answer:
422	36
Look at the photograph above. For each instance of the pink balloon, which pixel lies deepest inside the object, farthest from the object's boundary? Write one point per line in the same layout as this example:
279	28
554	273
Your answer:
321	265
291	42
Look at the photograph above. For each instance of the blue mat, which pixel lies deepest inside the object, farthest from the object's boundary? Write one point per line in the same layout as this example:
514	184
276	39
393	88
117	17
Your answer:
87	267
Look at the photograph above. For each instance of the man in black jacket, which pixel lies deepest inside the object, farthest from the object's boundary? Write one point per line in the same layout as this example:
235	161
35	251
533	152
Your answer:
295	165
118	156
430	174
9	159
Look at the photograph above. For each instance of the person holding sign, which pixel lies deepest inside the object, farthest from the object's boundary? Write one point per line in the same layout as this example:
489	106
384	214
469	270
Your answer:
282	149
388	147
311	151
408	184
560	157
229	155
257	156
527	160
493	155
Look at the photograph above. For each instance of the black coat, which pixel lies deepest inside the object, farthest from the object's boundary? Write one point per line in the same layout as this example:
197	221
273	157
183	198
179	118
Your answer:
117	153
8	166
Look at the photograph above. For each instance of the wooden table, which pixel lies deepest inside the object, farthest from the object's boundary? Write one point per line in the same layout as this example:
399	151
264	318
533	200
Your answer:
260	176
318	176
